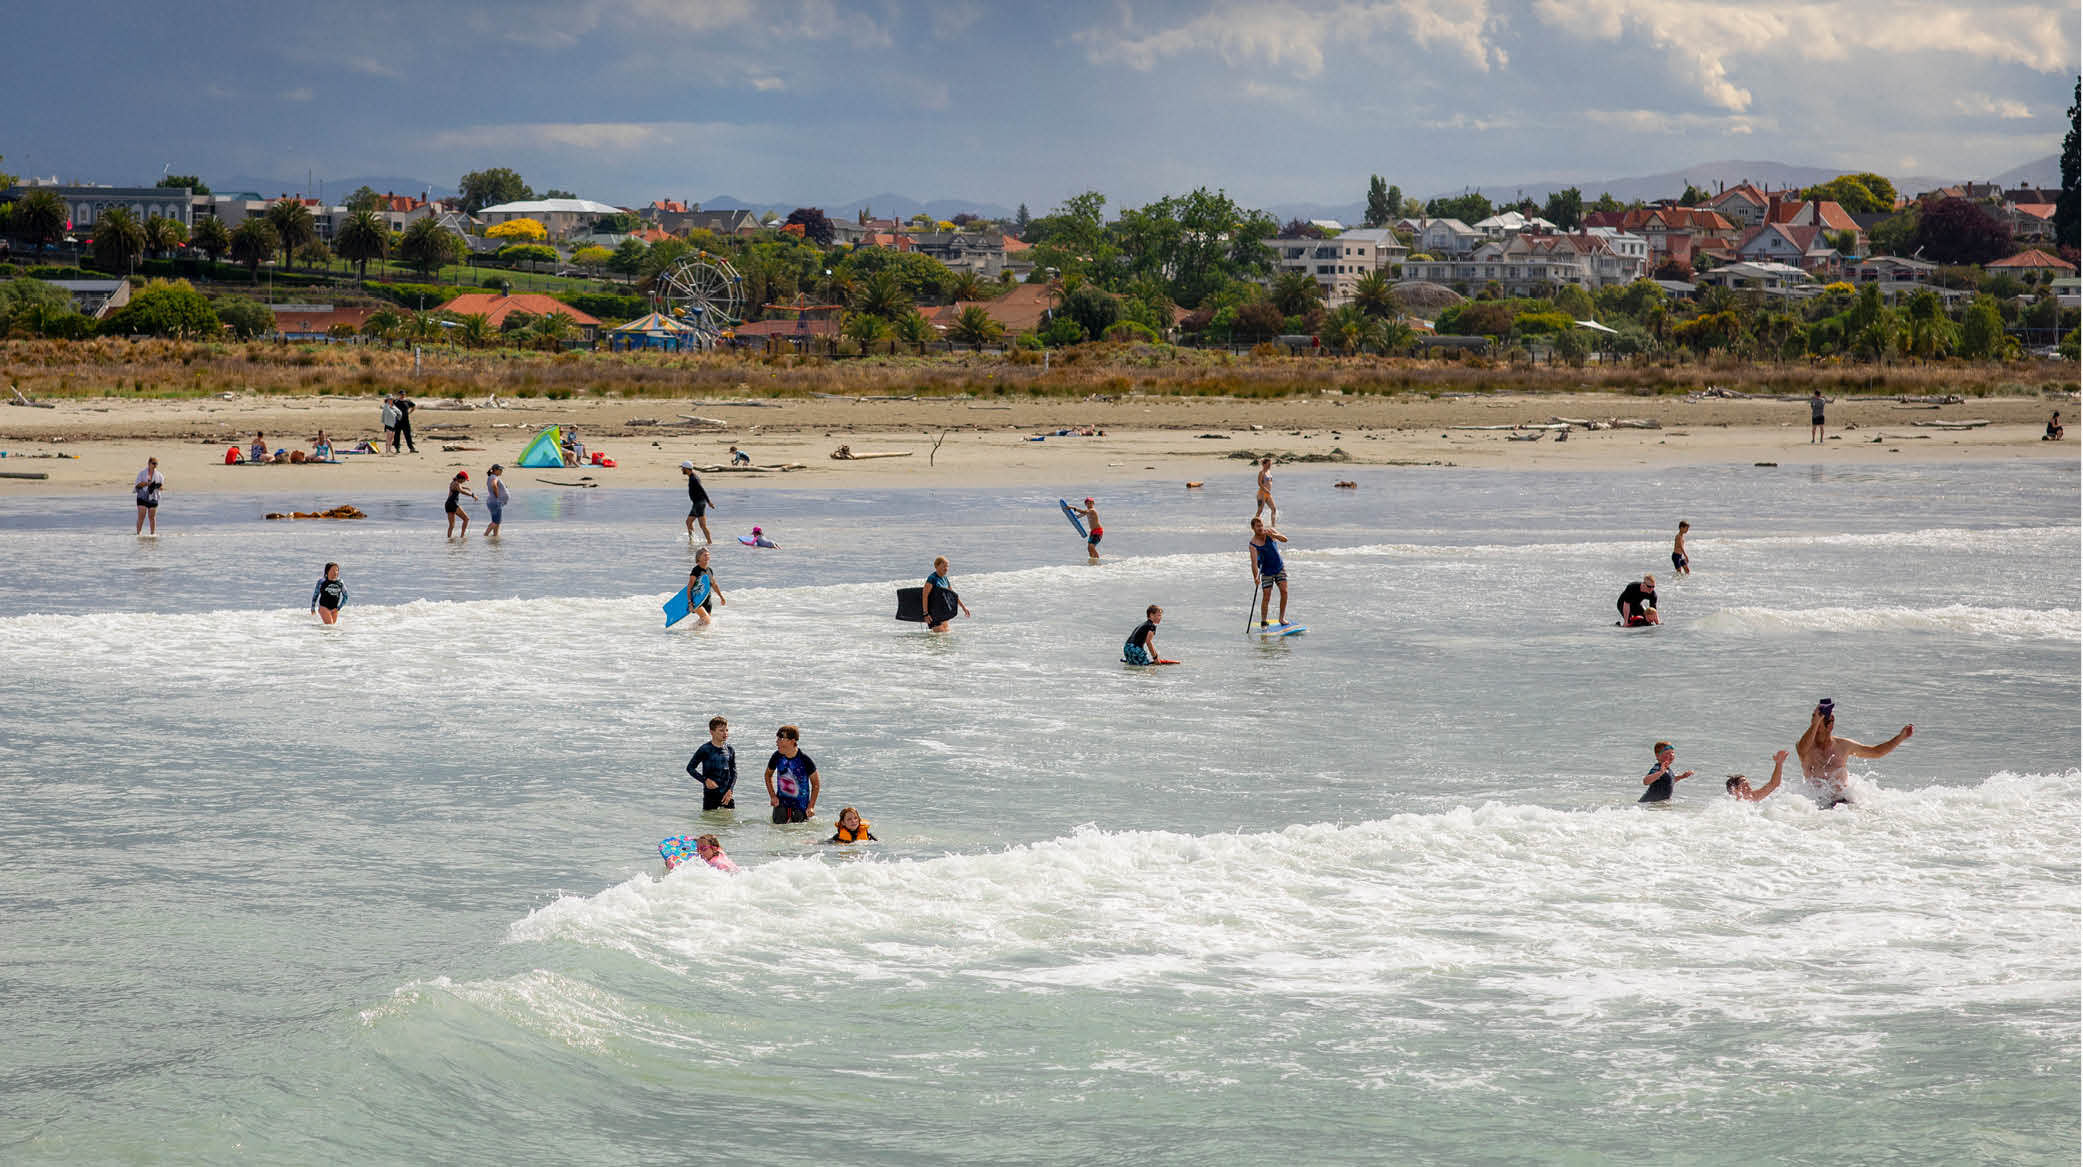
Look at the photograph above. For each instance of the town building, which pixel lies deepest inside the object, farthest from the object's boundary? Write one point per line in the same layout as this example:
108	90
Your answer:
495	307
560	217
980	252
1337	264
1531	265
95	298
1762	277
85	204
1804	247
2032	264
317	321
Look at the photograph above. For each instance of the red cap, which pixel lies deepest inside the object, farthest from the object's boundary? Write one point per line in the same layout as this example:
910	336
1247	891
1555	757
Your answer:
464	474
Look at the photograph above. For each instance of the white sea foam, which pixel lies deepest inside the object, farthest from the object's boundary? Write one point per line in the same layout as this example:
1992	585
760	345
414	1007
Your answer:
2003	623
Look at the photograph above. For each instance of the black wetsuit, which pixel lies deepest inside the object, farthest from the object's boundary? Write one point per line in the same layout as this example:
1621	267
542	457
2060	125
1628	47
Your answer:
1659	790
405	408
330	593
712	763
698	499
1637	598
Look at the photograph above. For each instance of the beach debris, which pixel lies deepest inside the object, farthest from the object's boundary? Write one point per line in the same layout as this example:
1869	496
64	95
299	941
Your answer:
30	402
777	468
846	454
452	448
1346	485
343	511
1193	486
1336	455
1640	423
1534	436
1931	399
23	474
585	480
1969	424
1214	437
74	457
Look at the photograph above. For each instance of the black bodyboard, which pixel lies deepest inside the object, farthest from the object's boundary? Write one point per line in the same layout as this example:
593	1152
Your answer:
911	605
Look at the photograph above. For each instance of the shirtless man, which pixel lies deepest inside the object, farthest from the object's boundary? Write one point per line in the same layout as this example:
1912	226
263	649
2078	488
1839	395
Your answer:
1825	759
1265	492
1739	787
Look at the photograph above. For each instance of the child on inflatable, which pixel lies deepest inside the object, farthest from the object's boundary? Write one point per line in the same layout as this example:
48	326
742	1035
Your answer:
758	538
706	848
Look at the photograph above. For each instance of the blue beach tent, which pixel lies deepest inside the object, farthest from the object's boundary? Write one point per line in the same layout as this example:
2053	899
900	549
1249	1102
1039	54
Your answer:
544	451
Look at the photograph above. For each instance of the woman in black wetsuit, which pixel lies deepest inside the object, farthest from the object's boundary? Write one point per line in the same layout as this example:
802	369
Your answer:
330	595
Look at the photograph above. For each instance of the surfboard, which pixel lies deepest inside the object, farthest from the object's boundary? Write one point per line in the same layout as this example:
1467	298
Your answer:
1279	630
911	605
1072	515
677	608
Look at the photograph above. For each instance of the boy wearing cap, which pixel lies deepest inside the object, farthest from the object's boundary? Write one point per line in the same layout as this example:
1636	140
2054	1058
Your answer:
698	503
1093	530
1659	779
495	498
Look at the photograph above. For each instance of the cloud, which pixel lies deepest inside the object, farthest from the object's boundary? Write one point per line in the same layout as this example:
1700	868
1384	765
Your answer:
1983	105
1264	91
1296	37
949	21
300	93
1660	121
768	84
602	137
372	67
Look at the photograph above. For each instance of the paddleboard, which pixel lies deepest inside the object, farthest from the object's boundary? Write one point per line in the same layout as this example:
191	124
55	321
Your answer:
1277	630
1072	515
911	605
678	609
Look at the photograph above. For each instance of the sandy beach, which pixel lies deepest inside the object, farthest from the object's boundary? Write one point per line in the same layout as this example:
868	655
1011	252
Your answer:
966	442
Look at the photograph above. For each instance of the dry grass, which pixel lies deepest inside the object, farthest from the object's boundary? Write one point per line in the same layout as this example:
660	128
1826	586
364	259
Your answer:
173	369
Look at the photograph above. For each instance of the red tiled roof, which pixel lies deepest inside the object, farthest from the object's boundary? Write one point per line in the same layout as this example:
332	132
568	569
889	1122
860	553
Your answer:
1019	310
1013	244
669	206
2034	258
2036	210
496	308
293	320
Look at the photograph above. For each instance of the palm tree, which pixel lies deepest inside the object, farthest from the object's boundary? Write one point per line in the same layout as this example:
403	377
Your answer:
422	326
913	328
383	324
361	238
474	330
868	329
1294	292
882	295
253	243
975	327
1349	330
967	285
428	246
1373	296
293	226
552	328
118	239
212	237
41	216
163	235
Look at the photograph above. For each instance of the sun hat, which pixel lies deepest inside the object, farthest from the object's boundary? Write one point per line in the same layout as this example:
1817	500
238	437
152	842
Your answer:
686	465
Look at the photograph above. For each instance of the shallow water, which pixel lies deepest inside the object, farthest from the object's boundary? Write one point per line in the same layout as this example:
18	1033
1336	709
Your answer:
388	891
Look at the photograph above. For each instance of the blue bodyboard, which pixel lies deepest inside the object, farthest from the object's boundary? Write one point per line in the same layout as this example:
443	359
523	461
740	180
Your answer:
677	608
1279	630
1072	515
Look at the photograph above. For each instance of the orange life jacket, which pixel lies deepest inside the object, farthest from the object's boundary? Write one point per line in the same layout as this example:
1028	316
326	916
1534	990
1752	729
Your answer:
842	835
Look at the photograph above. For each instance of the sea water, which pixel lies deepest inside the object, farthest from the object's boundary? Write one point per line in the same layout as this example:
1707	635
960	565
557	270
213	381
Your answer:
389	891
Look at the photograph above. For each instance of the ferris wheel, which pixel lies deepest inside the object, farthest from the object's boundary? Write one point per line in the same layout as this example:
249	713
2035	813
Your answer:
705	293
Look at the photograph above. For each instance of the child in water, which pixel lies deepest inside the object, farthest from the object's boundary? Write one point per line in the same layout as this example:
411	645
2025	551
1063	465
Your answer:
1680	561
852	828
759	539
330	595
706	848
1659	779
1093	531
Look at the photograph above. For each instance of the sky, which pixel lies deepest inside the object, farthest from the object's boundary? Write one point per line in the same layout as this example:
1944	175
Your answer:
827	101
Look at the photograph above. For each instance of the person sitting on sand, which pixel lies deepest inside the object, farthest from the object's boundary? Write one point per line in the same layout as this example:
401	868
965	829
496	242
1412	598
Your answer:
1739	787
322	447
1659	779
739	457
259	450
852	828
2054	430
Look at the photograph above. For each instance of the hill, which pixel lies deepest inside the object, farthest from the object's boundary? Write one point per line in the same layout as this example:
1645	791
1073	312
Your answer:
882	206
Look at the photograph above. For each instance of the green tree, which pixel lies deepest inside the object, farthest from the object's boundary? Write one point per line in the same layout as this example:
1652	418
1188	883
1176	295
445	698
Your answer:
164	235
1470	208
1565	209
592	258
164	308
384	324
1073	240
293	226
628	259
528	253
1294	292
428	246
1958	231
1571	346
1350	330
551	329
365	198
119	239
40	216
1093	308
913	328
923	278
1194	243
361	238
662	257
473	330
1021	222
967	285
1062	331
1981	330
975	327
1860	194
2067	207
211	237
1374	296
194	183
555	193
315	254
1692	197
867	329
881	295
253	244
1607	204
1380	207
246	319
490	187
35	307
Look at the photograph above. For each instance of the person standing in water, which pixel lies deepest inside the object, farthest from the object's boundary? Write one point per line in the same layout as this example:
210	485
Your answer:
1681	563
1659	779
1268	570
454	506
1739	787
698	503
694	583
1815	416
329	596
149	483
792	781
495	498
1265	491
1825	757
938	580
1093	531
715	766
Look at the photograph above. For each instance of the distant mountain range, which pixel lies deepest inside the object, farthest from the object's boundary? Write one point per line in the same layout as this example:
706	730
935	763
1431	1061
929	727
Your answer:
335	189
882	206
1708	176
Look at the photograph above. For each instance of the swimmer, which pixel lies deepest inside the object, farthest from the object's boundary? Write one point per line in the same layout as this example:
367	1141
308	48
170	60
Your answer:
1680	561
453	507
706	848
1265	490
1637	604
715	766
1825	758
1739	787
1141	647
1659	779
694	581
1093	531
496	495
852	828
1267	568
759	539
329	596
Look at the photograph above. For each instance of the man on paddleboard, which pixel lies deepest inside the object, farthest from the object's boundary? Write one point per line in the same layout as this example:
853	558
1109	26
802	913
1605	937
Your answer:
1267	568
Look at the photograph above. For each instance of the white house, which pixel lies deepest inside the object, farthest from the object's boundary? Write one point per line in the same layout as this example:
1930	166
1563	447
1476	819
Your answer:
1510	223
1769	277
1337	264
560	217
1438	237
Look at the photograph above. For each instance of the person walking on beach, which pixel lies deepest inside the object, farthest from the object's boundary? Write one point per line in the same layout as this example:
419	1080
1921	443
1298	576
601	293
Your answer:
390	423
792	781
1681	563
698	503
329	596
1267	568
1739	787
1815	416
1637	604
495	498
1093	531
938	579
1265	491
1825	758
457	486
694	583
1659	779
149	483
405	408
715	766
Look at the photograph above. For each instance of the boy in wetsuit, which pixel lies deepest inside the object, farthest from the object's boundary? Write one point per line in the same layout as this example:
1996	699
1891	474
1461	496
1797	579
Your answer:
330	595
1141	647
1093	531
1267	568
1637	603
698	503
715	766
1739	787
792	781
1680	561
1659	779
